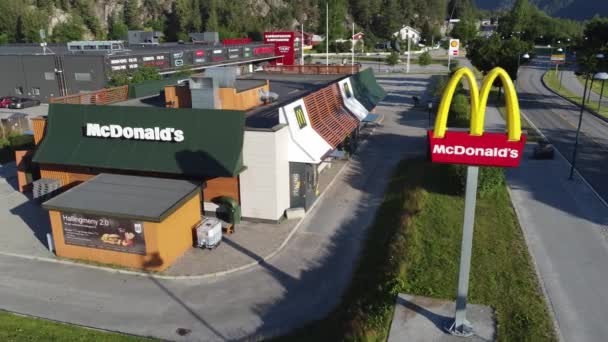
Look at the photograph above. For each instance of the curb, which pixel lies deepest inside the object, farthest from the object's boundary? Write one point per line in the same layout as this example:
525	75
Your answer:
590	111
193	277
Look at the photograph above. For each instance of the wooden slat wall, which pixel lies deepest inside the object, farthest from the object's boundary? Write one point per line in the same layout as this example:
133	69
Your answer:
178	97
244	100
39	126
222	186
327	115
20	160
66	175
100	97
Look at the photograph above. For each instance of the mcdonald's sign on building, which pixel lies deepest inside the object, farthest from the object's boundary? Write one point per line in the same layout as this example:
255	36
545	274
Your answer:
477	147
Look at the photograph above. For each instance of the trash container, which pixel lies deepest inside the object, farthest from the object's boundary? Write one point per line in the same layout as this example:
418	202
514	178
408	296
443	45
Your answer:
231	209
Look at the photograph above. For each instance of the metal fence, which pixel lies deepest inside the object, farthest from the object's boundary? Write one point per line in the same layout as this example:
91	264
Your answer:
313	69
99	97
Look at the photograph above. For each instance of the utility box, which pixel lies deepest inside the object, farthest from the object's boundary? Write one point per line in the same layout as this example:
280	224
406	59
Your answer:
209	233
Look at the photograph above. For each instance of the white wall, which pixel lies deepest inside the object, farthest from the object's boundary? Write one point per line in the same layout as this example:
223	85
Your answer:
305	145
351	103
264	185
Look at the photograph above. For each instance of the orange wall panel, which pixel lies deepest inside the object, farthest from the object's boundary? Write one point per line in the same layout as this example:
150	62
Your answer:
222	186
244	100
39	126
165	241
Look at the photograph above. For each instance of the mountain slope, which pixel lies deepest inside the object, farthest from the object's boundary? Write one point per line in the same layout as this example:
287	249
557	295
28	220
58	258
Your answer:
571	9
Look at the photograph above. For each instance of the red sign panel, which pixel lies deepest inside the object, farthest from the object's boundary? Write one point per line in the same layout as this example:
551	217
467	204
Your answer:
237	41
199	53
490	149
284	45
263	50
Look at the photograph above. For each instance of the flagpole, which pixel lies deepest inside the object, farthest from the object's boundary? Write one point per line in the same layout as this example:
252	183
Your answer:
327	33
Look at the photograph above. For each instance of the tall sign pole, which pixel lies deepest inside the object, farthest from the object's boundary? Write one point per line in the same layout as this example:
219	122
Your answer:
352	59
407	33
474	149
302	45
327	33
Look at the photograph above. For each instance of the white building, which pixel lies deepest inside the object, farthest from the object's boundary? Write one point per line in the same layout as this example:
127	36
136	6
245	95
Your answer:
408	32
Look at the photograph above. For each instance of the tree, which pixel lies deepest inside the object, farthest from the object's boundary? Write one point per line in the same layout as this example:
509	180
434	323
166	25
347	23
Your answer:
72	29
393	58
131	15
117	29
488	53
425	58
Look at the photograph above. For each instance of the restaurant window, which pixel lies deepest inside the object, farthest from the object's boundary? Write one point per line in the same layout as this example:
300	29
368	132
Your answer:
36	91
300	117
49	76
19	90
82	76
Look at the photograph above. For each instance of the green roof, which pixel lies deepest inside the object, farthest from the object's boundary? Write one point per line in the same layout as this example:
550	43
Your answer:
212	141
366	88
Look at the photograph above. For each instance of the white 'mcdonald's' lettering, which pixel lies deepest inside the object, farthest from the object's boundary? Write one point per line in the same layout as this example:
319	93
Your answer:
459	150
167	134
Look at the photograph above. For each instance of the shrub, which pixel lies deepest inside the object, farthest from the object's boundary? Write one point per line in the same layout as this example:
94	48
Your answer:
18	142
4	143
393	58
459	111
425	58
308	59
490	179
454	65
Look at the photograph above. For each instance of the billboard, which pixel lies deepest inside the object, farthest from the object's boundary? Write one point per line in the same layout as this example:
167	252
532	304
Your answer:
558	58
476	147
454	46
284	45
101	232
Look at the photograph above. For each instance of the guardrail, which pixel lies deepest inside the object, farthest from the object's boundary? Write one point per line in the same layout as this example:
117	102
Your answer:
99	97
313	69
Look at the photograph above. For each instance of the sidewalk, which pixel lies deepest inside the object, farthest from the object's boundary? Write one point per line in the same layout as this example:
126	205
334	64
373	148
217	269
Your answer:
564	223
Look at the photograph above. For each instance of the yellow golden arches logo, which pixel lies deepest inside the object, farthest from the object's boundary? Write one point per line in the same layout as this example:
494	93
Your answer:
479	103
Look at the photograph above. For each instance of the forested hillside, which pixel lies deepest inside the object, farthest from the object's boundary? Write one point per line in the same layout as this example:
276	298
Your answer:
572	9
74	19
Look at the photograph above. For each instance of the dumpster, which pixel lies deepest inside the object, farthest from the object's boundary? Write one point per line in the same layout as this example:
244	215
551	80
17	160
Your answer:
229	210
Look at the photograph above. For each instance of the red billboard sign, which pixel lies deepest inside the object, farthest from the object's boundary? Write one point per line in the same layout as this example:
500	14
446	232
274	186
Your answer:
237	41
490	149
284	45
263	50
199	53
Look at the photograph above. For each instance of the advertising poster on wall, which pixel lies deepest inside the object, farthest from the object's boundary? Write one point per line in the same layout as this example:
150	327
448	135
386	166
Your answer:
284	45
119	235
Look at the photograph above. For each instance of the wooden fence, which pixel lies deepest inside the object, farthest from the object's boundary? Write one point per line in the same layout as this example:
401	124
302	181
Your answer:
99	97
313	69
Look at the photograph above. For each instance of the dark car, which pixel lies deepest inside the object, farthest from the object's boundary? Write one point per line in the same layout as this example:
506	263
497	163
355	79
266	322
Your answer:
543	150
23	102
6	100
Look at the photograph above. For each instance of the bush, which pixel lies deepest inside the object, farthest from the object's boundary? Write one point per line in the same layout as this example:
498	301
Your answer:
19	142
4	143
454	65
490	179
459	111
308	59
425	58
393	58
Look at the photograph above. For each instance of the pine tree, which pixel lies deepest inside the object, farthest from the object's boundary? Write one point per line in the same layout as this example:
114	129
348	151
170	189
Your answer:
131	14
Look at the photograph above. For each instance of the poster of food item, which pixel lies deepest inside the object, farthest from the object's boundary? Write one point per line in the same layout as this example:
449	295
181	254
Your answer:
120	235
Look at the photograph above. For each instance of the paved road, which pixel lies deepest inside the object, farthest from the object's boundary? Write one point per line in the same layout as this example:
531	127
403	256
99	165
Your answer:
565	227
557	119
301	283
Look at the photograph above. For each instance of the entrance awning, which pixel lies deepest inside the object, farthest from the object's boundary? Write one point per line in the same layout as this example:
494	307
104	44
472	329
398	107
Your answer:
191	142
366	89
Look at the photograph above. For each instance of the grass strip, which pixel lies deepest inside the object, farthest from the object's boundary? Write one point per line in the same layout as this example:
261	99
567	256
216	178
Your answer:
552	81
14	328
413	247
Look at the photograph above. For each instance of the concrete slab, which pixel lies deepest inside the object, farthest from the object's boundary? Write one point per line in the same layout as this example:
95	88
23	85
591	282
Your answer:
419	318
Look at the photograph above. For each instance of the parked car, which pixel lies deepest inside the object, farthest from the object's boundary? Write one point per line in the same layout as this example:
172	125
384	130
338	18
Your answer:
6	100
23	102
543	150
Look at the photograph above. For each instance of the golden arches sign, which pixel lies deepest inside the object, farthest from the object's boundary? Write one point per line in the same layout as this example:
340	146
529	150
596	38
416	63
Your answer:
479	103
477	147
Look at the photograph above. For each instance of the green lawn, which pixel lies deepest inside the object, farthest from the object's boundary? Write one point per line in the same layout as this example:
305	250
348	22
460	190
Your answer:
18	328
413	247
597	85
552	81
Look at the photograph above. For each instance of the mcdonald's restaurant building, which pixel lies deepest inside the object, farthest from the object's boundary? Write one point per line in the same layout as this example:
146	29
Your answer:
136	180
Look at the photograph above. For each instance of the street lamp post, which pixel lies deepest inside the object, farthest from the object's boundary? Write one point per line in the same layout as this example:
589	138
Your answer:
603	77
599	56
429	105
578	130
525	56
